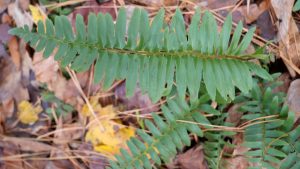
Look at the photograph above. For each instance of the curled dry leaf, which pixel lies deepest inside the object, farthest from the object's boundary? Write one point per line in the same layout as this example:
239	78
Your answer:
287	30
293	48
283	11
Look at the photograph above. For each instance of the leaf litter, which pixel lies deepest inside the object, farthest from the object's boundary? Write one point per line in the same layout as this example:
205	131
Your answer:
35	134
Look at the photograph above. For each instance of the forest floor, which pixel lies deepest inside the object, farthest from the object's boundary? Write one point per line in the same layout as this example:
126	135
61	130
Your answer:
43	112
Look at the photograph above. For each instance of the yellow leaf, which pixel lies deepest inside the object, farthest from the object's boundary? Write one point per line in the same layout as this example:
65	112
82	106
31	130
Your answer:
27	113
107	112
126	133
106	149
106	137
37	14
95	105
114	134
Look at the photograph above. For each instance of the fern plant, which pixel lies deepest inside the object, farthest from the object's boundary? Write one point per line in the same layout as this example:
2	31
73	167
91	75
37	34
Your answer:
150	54
216	140
169	134
266	137
292	149
159	57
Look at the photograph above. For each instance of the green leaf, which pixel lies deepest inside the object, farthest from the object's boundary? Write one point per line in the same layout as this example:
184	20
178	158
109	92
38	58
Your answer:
155	30
133	29
246	41
49	48
144	29
194	77
67	28
209	79
103	29
296	6
49	27
236	38
193	30
225	34
92	28
121	28
111	73
40	28
133	67
80	28
178	26
100	67
181	80
110	36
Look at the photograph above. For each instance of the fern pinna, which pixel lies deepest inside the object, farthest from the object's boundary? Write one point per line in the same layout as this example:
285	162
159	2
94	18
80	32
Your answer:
150	54
270	137
155	55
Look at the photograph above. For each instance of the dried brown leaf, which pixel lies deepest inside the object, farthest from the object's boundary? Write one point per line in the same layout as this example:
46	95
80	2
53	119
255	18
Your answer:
9	78
27	144
193	158
254	11
293	97
21	17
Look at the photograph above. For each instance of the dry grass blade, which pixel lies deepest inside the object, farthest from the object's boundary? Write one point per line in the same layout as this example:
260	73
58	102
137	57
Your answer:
77	84
62	4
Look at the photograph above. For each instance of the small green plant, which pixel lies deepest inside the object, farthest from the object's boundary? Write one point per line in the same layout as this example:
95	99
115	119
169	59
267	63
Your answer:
268	136
199	66
60	107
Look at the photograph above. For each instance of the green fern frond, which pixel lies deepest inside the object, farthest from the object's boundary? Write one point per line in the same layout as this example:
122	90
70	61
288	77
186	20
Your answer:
215	141
152	54
213	148
266	137
168	135
292	161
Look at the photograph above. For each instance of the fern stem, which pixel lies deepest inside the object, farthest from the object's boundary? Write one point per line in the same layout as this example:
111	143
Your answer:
192	53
